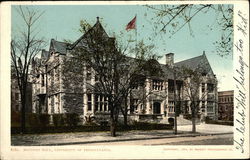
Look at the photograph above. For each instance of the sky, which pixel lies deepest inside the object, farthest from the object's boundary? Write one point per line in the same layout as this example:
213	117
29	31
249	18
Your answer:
62	22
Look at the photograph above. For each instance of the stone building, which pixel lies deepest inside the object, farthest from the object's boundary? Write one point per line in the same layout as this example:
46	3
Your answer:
16	96
54	94
226	105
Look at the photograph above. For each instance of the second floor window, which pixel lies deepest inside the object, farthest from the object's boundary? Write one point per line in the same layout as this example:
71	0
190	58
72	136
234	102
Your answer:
203	87
210	88
88	74
157	85
42	80
171	106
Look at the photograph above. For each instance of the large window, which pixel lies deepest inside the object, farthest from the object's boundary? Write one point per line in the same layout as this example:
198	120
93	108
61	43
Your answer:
157	85
210	106
57	73
171	106
203	87
101	102
171	86
133	105
210	88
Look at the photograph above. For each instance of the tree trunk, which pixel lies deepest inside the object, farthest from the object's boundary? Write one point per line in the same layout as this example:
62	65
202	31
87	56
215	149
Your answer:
125	114
125	119
113	128
23	102
193	124
193	120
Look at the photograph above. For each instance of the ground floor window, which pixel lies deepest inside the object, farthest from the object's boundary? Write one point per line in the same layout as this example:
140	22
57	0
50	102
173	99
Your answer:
101	102
89	102
133	105
171	106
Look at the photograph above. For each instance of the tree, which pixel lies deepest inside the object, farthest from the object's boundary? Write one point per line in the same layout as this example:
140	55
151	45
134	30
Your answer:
23	50
172	18
115	74
193	81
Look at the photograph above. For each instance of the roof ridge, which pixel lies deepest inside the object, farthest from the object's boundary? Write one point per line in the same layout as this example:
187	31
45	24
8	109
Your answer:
191	58
81	37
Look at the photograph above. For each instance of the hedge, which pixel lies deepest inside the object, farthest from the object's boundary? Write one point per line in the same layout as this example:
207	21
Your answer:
43	120
228	123
92	128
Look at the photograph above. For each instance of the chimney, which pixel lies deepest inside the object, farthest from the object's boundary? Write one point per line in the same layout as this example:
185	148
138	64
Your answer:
97	18
170	59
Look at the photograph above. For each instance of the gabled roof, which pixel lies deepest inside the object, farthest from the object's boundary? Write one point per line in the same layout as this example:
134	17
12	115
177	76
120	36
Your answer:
199	62
62	47
97	27
58	47
44	54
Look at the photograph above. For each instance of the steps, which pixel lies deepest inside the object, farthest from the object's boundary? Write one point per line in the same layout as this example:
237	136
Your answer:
182	121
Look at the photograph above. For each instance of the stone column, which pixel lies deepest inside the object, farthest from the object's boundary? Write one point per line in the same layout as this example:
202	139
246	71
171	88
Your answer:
85	98
93	103
93	94
49	105
147	96
162	106
85	104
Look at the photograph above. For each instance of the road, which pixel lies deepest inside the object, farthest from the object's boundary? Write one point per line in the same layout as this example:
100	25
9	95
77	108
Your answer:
221	135
226	139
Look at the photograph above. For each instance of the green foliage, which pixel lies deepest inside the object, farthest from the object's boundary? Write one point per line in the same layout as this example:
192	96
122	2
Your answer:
219	122
72	119
44	119
84	26
89	119
58	120
32	119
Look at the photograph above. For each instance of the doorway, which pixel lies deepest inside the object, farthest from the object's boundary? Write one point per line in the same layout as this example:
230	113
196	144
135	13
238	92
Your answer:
156	108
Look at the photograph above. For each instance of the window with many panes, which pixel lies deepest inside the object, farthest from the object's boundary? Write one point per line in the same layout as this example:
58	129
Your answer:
210	106
210	88
157	85
171	106
203	87
101	102
171	86
133	105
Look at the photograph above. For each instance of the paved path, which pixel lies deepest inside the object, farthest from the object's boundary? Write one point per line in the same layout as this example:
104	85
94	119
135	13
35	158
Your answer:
208	128
225	139
103	137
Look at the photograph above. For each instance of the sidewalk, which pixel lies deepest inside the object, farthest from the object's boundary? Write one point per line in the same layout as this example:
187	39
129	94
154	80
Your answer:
100	137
